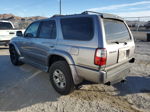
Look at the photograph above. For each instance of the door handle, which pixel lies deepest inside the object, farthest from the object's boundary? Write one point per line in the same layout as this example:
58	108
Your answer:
52	46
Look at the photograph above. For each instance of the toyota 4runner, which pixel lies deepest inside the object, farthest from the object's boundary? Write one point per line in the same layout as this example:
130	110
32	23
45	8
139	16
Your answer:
91	46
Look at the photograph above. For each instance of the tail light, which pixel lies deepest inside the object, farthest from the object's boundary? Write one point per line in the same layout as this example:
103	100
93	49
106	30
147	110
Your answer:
100	57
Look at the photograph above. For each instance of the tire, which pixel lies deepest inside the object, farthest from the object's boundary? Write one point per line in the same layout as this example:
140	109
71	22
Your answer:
61	78
14	57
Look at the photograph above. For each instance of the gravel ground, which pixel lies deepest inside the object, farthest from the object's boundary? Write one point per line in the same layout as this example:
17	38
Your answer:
26	89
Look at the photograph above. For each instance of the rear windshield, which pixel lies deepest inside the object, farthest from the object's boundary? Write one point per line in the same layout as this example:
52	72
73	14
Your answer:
5	25
116	31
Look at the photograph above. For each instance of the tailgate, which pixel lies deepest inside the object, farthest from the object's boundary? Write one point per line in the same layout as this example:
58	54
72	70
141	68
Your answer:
119	42
118	53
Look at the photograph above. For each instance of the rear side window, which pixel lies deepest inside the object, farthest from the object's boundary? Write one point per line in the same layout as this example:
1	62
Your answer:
48	30
116	31
77	28
5	25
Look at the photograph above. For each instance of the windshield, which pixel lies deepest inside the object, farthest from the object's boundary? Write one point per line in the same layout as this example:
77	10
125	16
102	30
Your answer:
116	31
5	25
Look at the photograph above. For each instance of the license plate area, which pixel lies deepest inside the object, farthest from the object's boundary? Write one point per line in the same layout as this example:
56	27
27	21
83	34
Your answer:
123	54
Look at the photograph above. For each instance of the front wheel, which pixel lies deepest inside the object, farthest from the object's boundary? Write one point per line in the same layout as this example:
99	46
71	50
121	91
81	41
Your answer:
61	78
14	57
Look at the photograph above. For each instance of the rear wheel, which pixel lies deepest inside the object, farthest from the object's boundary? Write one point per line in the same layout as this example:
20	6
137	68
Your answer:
61	78
14	57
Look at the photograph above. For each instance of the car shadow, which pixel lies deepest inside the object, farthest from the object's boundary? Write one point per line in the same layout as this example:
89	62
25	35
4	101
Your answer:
23	86
134	84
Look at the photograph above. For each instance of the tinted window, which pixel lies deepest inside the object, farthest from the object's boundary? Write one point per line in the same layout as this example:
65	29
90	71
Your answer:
5	25
32	30
116	31
48	30
77	28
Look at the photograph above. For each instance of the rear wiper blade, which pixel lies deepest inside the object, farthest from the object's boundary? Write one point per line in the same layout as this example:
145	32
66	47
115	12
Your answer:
125	43
115	42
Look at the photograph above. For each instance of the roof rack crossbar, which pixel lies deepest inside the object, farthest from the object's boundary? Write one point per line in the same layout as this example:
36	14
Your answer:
88	12
57	15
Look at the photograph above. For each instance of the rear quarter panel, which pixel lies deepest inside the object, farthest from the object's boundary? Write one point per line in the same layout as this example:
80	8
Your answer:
82	52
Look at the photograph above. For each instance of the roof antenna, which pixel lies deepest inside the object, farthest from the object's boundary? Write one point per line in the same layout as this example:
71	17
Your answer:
60	6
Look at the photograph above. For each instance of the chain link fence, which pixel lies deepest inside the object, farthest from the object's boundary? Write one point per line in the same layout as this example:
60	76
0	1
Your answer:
138	23
140	27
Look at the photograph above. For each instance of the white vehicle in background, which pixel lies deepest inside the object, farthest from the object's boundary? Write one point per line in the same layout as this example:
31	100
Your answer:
7	32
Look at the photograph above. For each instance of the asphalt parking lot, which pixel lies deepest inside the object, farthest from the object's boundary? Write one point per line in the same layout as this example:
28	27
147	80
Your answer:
19	82
27	89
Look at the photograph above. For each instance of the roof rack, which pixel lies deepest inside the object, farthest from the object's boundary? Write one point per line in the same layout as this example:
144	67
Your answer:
88	12
57	15
103	15
85	12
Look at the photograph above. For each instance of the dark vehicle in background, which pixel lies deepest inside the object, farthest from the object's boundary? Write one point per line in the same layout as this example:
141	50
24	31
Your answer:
147	25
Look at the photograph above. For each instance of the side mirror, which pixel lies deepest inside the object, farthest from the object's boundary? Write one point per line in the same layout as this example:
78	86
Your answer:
29	35
19	33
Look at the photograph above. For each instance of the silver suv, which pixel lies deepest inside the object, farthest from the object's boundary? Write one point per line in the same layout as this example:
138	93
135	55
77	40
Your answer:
90	46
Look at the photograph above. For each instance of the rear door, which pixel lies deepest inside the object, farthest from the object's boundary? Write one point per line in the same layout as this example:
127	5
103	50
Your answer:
119	41
80	39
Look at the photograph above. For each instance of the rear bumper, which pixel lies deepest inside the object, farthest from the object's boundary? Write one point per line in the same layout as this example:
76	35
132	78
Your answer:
113	75
117	74
4	42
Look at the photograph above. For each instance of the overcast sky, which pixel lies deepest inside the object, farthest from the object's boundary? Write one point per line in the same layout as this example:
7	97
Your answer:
124	8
